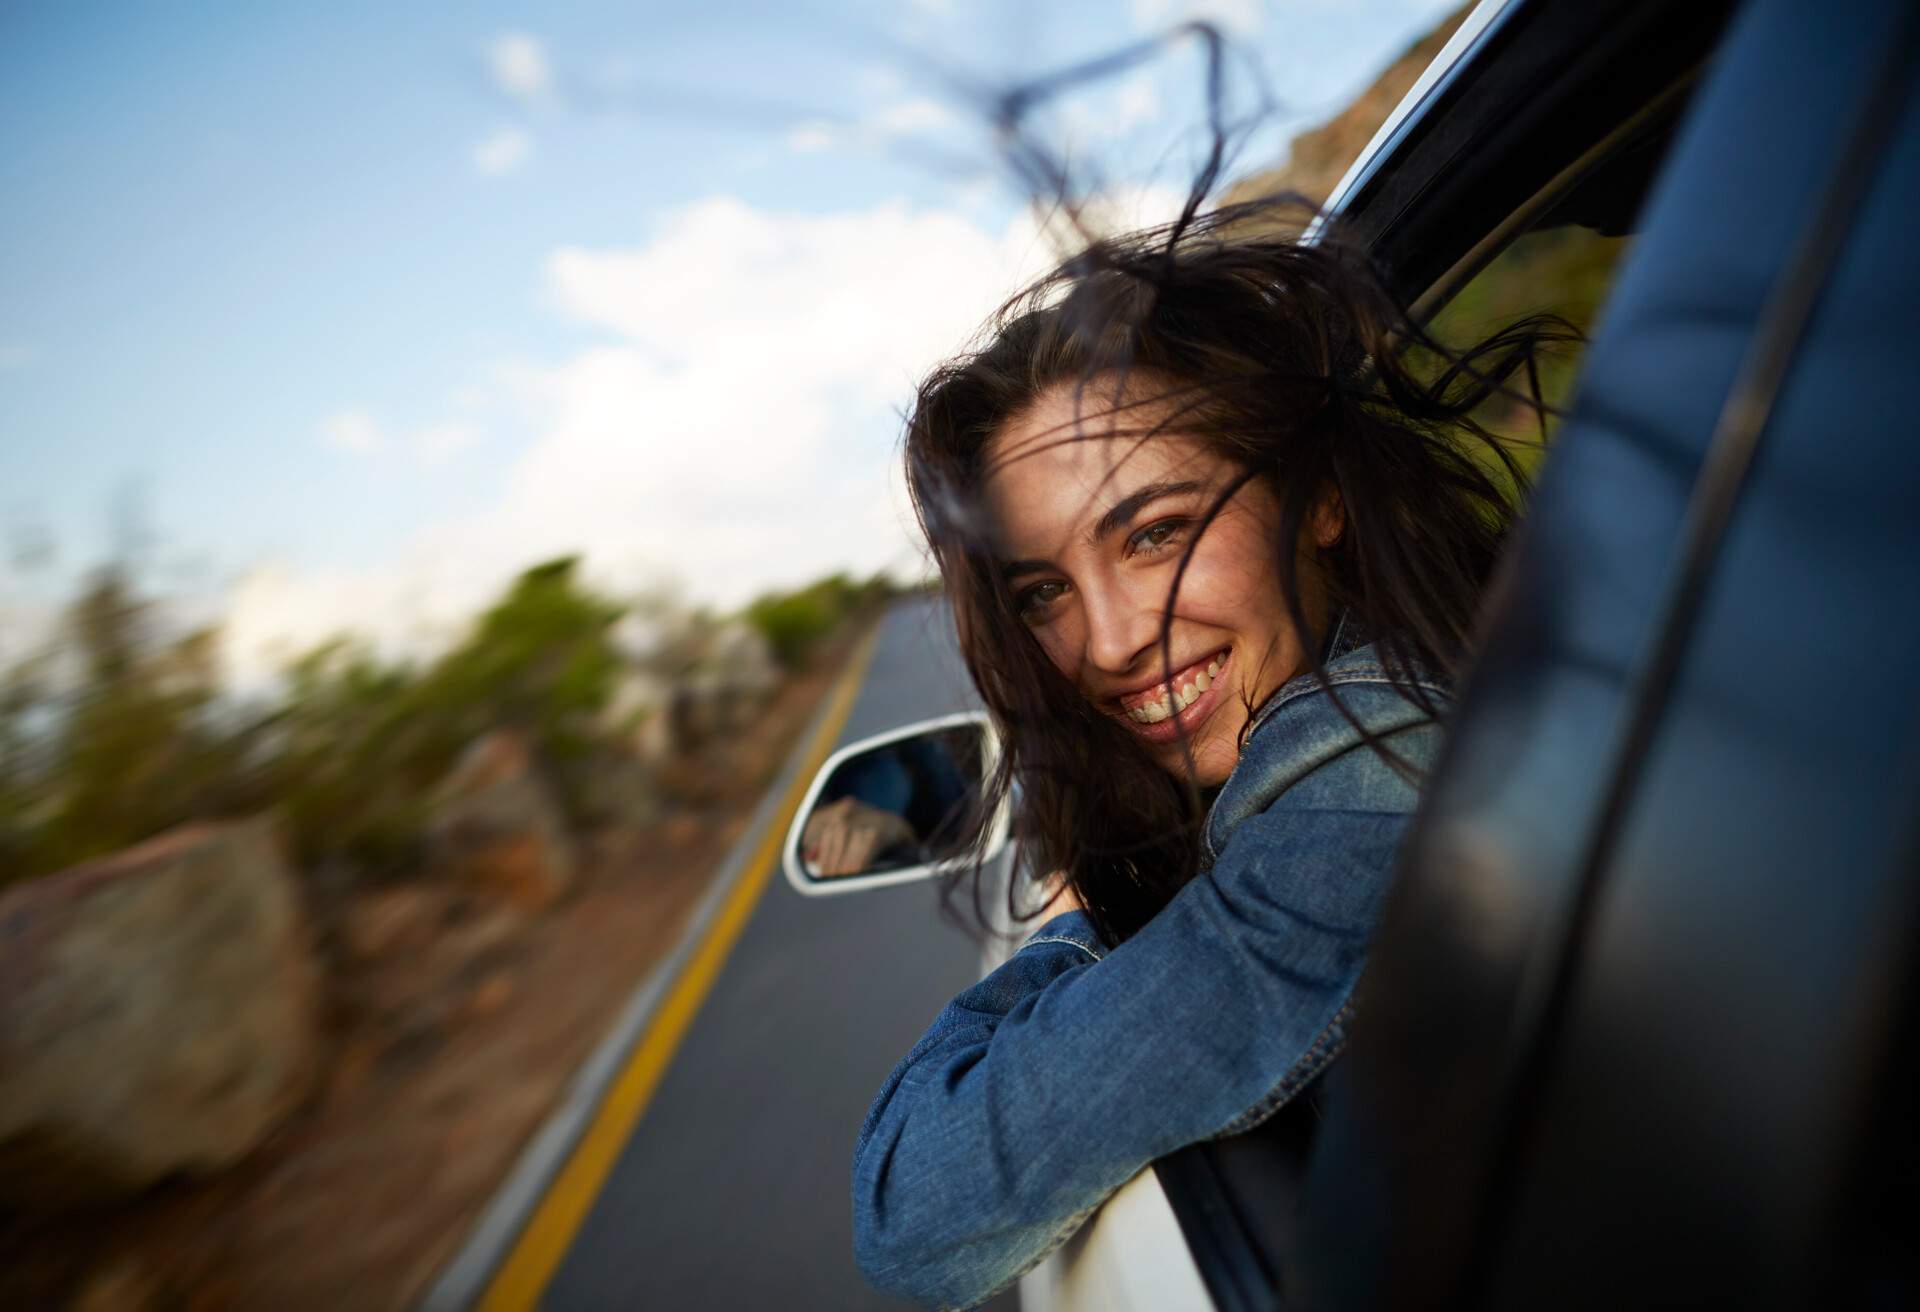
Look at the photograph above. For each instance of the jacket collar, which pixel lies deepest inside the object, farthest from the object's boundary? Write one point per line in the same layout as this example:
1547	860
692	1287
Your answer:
1271	762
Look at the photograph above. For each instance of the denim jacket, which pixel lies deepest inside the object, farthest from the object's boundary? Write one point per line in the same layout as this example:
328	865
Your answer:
1046	1086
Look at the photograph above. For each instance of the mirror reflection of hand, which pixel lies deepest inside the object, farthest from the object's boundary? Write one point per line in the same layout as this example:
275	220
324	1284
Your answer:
842	837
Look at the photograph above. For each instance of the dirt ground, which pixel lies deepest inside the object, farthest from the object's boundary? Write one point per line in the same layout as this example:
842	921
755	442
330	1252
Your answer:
453	1028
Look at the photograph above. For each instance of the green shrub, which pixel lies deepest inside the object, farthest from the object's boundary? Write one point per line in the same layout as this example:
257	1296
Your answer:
793	622
349	755
361	746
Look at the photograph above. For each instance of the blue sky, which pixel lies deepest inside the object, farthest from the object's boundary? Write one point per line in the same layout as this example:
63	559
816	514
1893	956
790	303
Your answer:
362	306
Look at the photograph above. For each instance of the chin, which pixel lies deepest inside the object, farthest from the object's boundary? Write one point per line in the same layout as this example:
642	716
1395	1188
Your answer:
1211	763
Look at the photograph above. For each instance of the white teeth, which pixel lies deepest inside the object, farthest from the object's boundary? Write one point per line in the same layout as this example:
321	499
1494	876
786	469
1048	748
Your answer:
1184	696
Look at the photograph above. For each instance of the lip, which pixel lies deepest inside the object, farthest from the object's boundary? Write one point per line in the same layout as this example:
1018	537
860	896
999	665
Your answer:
1182	723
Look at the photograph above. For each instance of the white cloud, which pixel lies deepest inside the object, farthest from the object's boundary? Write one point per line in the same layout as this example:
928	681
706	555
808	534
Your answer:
811	136
15	356
1101	117
27	625
912	118
359	433
502	153
916	117
862	301
276	613
1236	17
881	80
354	431
1136	102
735	427
440	443
519	65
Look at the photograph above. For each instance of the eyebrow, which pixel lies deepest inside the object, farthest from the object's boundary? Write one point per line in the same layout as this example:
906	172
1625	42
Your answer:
1118	516
1121	513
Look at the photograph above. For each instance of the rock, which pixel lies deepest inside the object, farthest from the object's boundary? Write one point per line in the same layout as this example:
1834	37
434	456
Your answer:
393	920
622	791
497	827
347	1073
736	676
493	993
157	1014
638	695
492	930
682	831
744	661
120	1286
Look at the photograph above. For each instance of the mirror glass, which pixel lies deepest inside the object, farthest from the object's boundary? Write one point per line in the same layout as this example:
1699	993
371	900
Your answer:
905	803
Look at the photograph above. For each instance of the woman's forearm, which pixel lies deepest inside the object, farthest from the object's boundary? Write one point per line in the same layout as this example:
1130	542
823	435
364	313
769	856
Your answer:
929	1224
1054	1080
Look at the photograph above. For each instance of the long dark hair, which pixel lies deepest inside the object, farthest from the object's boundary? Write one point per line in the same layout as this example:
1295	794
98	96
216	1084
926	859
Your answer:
1294	363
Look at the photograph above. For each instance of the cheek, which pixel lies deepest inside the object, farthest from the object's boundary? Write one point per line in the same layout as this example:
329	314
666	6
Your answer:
1061	645
1232	577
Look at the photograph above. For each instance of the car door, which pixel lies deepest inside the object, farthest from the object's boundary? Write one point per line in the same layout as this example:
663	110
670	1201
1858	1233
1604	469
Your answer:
1639	1019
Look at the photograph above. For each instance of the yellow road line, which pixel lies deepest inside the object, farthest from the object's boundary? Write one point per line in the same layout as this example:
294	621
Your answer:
523	1277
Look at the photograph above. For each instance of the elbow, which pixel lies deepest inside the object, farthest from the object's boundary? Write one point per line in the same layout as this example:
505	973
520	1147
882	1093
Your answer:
940	1278
895	1256
907	1247
888	1263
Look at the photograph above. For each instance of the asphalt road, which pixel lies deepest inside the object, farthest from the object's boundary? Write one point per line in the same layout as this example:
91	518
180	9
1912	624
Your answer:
733	1190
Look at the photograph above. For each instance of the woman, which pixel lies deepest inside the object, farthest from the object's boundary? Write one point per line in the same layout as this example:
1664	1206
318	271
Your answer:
1215	522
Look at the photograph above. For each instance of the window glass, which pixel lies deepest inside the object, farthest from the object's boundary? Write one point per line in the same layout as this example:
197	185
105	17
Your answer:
1565	271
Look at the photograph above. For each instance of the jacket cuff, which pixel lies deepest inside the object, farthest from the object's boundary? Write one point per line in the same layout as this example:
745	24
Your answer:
1071	928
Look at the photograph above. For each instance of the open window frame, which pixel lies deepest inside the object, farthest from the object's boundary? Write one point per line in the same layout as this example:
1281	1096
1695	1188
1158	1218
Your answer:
1534	115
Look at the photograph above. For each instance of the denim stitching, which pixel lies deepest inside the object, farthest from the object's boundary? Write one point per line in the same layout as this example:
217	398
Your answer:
1055	938
1369	674
1319	1055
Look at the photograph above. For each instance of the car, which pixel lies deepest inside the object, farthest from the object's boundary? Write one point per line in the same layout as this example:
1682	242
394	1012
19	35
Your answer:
1633	1027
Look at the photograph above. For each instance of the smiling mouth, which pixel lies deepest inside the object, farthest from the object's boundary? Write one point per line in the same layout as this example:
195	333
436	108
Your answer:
1170	697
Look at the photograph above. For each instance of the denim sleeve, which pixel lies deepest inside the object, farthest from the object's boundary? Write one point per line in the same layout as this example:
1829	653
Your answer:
1053	1081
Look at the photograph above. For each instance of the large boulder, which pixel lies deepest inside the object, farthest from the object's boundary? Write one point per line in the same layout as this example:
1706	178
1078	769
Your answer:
497	827
157	1014
622	791
736	675
743	660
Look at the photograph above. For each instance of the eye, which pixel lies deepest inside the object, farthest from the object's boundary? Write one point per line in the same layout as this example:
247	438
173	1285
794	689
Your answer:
1157	536
1033	603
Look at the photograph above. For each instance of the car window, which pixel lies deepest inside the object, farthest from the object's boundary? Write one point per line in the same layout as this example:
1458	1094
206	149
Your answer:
1557	251
1564	271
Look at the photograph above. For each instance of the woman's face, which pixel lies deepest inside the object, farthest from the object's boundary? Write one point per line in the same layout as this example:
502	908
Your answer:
1093	518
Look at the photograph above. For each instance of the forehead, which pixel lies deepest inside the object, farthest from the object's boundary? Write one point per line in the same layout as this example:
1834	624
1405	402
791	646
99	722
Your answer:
1057	466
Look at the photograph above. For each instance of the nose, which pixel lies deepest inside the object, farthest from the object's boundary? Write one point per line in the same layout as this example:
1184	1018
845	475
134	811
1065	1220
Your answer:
1123	625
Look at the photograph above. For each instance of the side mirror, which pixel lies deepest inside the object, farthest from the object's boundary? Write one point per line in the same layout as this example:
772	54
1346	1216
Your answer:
896	807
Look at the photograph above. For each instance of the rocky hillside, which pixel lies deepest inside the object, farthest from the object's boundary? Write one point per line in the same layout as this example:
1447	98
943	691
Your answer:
1320	156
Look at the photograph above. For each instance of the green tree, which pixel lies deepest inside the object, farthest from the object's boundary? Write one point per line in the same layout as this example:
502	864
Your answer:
540	660
361	745
136	748
793	622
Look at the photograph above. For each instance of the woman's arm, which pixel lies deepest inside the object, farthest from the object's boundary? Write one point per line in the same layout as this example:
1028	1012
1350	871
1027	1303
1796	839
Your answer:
1049	1084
